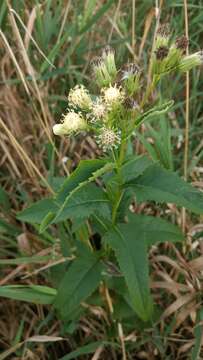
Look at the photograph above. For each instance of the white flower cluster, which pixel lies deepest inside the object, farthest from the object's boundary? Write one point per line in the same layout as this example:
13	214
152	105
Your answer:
92	115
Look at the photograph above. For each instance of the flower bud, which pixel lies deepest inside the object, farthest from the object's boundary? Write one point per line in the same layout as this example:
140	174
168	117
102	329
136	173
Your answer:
79	97
102	76
182	43
108	57
162	37
105	68
130	75
189	62
160	59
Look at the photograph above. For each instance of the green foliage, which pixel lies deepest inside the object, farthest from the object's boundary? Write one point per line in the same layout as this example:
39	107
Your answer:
82	203
84	171
130	243
36	212
163	185
80	280
131	252
154	112
32	293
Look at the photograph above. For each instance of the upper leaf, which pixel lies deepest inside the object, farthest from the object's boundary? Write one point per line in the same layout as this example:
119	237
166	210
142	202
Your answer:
83	172
155	111
85	201
134	167
162	185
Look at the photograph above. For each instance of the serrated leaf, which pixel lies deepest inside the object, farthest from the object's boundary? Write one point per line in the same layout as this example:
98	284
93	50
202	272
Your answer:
162	185
134	167
87	200
83	172
36	212
155	111
80	280
155	230
45	210
131	251
130	242
31	293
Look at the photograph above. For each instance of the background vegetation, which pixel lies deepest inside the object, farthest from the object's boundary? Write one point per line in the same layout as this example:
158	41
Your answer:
46	48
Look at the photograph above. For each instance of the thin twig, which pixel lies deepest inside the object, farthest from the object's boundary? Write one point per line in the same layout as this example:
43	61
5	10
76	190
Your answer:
133	27
187	112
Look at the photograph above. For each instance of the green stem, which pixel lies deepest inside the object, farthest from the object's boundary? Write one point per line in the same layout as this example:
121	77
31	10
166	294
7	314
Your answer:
119	194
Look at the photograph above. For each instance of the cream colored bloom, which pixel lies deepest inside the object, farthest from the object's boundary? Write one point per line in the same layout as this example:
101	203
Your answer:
79	96
98	110
72	122
112	95
59	129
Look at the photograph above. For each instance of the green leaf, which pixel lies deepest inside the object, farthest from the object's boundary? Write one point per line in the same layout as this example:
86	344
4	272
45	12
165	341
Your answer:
162	185
44	211
154	112
87	200
36	212
4	199
27	260
32	293
131	251
198	332
84	171
81	279
104	8
83	350
130	242
155	230
133	168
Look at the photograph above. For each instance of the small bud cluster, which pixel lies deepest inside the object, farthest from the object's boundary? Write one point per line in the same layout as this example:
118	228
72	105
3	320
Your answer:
111	116
169	58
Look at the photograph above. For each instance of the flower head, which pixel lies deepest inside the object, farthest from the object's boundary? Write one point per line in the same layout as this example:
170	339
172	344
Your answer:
98	110
113	95
72	122
108	139
79	96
